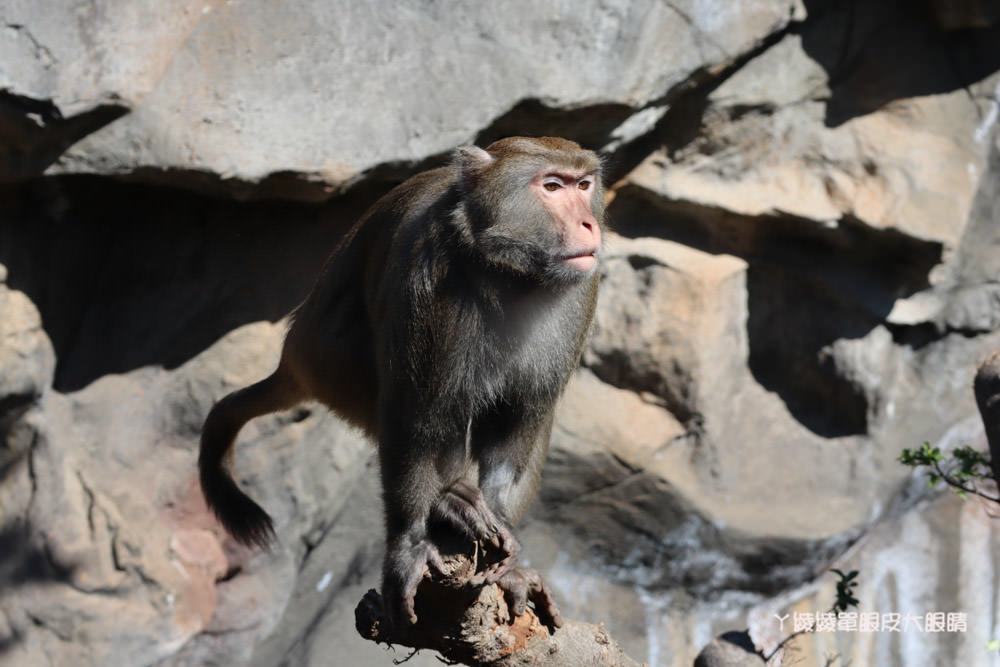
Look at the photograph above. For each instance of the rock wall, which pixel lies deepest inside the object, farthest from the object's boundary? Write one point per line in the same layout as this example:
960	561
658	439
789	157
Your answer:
803	273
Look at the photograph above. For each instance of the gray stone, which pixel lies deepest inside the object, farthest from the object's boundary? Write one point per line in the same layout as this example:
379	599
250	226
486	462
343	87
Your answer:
801	281
324	91
733	649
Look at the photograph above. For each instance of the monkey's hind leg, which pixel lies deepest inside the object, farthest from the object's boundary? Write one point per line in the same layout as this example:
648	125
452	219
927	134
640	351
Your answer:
242	518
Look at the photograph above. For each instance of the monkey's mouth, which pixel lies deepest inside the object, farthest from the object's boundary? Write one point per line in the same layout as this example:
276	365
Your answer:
583	262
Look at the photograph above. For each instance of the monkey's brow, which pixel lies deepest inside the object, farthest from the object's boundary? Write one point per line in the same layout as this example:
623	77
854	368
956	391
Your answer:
566	175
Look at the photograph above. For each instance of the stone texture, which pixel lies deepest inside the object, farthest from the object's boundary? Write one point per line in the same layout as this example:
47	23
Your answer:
801	281
27	361
730	650
324	91
901	562
767	147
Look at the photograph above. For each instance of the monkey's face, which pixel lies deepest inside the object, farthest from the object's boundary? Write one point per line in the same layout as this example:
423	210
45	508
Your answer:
567	198
540	219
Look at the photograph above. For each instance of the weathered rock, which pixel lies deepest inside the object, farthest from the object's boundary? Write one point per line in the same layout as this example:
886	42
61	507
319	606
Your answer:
27	361
901	564
312	94
803	280
733	649
767	148
127	557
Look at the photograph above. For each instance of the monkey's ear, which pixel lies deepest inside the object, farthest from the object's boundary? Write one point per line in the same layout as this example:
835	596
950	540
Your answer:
471	162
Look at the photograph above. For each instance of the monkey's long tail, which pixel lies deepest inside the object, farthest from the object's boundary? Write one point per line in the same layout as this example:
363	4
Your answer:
242	518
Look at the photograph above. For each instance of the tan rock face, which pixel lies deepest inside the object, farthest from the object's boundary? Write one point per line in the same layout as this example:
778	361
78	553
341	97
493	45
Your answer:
26	357
767	149
802	273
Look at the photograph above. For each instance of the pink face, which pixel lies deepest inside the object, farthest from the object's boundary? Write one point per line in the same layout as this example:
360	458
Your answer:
566	198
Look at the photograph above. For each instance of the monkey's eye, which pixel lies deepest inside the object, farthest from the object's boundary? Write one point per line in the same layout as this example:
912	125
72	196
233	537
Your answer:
583	185
551	186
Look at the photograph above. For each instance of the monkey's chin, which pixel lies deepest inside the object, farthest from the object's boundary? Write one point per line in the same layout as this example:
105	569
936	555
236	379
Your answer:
582	263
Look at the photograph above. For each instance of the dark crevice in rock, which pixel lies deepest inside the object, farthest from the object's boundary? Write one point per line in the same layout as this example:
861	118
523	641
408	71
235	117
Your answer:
918	336
33	133
808	285
670	545
878	52
41	52
24	563
33	479
687	102
12	406
127	275
866	71
590	126
295	187
623	370
116	561
791	322
91	502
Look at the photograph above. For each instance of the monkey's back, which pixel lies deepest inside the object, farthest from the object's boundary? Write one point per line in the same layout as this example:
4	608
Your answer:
330	348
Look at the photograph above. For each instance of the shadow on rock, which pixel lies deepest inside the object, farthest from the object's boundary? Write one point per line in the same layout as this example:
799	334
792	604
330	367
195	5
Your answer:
129	275
23	562
878	52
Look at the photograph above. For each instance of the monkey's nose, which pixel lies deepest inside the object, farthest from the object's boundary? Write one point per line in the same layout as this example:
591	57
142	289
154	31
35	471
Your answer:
592	231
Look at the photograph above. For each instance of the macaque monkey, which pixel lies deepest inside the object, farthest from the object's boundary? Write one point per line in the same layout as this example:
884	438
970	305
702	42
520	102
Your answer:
445	325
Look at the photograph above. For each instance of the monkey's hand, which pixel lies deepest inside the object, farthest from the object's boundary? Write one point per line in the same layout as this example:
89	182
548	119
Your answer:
463	507
522	585
406	563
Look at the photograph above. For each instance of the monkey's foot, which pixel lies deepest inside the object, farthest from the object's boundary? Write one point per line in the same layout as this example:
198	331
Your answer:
406	563
463	507
521	585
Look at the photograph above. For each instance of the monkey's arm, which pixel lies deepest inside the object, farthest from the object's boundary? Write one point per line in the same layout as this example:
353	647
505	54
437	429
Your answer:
420	452
512	441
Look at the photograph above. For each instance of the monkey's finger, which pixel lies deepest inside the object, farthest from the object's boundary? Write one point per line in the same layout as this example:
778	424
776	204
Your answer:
541	598
509	543
517	600
546	608
434	560
515	591
407	604
478	579
500	568
398	605
488	575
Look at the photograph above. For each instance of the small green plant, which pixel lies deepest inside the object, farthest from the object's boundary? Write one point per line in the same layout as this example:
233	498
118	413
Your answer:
845	600
845	593
961	471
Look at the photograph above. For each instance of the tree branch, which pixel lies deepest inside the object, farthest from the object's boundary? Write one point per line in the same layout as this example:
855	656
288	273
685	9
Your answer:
473	625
